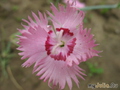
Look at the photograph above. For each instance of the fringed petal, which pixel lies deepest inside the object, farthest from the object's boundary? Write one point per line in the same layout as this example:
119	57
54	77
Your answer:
68	17
83	49
58	72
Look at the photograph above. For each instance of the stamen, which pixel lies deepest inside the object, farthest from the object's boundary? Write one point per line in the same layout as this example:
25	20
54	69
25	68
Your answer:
59	36
63	44
54	48
60	33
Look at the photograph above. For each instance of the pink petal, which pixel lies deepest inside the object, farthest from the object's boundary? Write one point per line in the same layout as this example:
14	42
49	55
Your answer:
75	3
83	49
33	41
58	72
68	17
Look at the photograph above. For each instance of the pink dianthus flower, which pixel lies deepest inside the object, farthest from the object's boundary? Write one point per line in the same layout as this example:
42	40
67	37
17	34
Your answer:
75	3
56	50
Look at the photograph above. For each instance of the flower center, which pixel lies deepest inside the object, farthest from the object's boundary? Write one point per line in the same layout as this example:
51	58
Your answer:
63	44
60	44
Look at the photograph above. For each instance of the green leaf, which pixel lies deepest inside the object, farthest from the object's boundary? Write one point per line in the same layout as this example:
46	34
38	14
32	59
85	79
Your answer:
93	69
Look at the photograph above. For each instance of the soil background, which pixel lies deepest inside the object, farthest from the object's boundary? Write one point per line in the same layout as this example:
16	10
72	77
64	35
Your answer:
105	26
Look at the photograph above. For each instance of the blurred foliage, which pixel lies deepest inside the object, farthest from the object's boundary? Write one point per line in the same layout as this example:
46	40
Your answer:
104	11
14	39
5	53
118	5
93	69
5	56
18	19
56	2
15	7
85	20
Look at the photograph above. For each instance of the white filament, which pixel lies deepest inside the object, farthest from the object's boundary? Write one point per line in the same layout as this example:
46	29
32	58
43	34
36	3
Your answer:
59	36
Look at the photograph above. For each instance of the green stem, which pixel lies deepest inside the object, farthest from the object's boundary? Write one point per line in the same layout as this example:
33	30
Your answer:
99	7
8	48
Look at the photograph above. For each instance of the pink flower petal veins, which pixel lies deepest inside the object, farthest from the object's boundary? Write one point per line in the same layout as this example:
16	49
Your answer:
30	42
66	17
58	49
63	73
